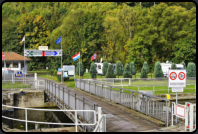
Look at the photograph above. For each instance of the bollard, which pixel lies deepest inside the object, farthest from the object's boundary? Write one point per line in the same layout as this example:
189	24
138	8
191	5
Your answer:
168	97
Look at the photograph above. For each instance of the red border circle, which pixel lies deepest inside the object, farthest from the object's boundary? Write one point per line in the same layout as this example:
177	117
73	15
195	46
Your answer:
175	75
179	75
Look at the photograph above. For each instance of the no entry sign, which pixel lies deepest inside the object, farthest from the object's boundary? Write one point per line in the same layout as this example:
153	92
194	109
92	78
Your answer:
177	78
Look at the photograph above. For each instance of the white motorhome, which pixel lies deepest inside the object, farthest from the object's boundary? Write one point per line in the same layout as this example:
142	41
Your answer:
167	66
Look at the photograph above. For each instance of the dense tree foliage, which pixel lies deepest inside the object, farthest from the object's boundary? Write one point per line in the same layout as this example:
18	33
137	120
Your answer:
143	73
104	68
110	72
191	70
158	70
117	31
93	71
132	68
184	64
127	71
145	65
119	69
173	66
81	71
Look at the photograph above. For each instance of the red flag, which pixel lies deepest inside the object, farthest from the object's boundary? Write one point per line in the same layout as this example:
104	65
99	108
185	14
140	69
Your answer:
2	56
94	56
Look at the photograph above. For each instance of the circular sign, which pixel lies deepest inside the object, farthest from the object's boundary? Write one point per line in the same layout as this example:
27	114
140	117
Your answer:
181	75
173	75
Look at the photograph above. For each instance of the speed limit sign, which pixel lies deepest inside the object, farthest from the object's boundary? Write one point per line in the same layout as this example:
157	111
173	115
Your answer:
177	78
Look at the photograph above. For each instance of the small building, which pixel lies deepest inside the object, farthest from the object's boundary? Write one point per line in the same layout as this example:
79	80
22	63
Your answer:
14	61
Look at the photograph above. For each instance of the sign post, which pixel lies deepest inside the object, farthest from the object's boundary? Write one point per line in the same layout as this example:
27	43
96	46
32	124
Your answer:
177	80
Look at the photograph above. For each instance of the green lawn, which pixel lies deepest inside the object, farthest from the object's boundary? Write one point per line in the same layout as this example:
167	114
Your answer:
15	85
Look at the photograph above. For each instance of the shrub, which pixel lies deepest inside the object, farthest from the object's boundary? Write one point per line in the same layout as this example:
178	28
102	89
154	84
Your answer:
51	72
59	78
132	68
93	71
191	70
104	68
127	72
183	63
143	73
119	70
81	69
145	66
158	70
55	72
110	72
173	66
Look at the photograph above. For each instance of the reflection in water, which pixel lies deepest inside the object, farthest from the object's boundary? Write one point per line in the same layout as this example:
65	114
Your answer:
34	115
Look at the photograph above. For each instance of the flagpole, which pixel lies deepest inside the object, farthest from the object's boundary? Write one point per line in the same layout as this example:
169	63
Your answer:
4	66
61	61
24	58
79	68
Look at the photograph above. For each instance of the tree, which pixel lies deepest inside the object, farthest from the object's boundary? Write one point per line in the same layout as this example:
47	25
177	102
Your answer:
110	72
119	68
104	68
158	70
183	63
127	72
81	69
132	68
145	65
143	73
173	66
191	70
93	71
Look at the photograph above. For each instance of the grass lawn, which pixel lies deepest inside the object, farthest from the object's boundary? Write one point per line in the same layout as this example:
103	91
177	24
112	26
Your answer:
16	85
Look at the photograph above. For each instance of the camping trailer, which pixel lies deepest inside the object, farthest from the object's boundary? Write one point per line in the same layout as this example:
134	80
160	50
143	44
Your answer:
167	66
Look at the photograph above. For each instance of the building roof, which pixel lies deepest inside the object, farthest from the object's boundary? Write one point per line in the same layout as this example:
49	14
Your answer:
12	56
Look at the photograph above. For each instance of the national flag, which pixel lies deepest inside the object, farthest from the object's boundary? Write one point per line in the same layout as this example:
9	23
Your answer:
59	40
23	39
2	56
76	56
94	56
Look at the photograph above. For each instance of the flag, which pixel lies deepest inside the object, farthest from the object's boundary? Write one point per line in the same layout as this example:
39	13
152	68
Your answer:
23	39
59	40
2	56
94	56
76	56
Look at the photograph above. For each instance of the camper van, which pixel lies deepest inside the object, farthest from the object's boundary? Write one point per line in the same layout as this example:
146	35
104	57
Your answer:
167	66
100	65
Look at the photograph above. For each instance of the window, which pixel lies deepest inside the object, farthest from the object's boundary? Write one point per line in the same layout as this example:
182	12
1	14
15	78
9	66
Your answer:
8	64
99	66
15	64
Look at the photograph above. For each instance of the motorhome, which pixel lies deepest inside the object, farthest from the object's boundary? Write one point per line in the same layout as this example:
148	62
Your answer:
167	66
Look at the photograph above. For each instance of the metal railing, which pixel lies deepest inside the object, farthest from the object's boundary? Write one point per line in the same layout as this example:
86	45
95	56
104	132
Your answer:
190	116
101	124
68	99
142	102
75	111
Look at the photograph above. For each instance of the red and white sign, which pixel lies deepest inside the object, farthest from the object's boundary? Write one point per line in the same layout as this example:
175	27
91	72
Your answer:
2	56
177	78
180	111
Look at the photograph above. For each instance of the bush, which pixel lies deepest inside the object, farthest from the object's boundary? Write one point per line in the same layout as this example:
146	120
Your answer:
158	70
51	72
183	63
143	73
81	69
145	66
55	72
119	70
191	70
110	72
127	72
59	78
93	71
173	66
104	68
132	68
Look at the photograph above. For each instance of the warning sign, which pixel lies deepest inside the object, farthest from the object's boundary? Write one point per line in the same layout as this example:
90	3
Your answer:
177	78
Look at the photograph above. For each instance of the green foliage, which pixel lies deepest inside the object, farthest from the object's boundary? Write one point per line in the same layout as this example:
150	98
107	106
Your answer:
93	71
51	72
63	79
191	70
55	72
81	69
119	69
143	73
158	70
110	72
184	64
104	68
145	65
173	66
132	68
127	71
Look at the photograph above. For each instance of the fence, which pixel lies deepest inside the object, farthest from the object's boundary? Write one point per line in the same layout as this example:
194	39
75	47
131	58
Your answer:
190	119
75	111
135	100
101	124
67	98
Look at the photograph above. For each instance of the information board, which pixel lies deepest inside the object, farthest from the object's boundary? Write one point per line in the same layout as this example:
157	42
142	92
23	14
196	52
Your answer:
177	78
180	111
68	71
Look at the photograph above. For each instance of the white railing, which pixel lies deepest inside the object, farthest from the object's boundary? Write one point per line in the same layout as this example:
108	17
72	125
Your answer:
190	118
26	121
101	124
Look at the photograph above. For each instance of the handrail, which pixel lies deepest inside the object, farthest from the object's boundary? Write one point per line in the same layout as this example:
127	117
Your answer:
98	124
76	122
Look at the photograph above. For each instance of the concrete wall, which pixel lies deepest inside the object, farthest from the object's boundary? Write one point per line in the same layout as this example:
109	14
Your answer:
29	99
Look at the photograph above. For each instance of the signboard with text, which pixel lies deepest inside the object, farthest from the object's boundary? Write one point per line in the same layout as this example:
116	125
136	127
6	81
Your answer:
42	53
177	78
68	71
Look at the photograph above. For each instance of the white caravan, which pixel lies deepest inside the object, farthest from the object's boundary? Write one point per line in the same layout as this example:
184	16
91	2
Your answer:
99	68
167	66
